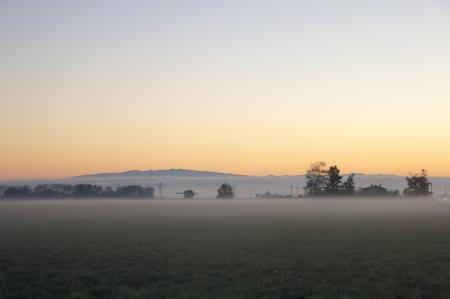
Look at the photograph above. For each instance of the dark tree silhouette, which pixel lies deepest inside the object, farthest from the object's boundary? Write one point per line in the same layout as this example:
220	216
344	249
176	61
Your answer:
348	187
333	181
134	191
80	191
418	184
87	190
17	192
316	178
188	194
53	190
108	191
225	191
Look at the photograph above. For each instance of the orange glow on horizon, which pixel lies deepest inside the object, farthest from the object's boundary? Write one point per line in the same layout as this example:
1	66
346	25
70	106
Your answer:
361	85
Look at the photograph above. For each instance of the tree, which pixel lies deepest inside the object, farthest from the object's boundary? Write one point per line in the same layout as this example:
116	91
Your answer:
225	191
134	191
333	181
188	194
348	188
80	190
316	178
87	190
46	191
108	191
418	184
17	192
53	190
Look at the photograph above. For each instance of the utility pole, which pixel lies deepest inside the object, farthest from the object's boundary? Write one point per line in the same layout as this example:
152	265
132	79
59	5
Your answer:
160	190
291	190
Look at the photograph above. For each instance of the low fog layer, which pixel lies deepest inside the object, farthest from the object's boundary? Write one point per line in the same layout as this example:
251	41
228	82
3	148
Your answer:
245	186
164	210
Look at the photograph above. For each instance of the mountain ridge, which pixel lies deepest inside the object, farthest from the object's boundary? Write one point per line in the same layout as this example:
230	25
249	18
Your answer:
181	172
162	172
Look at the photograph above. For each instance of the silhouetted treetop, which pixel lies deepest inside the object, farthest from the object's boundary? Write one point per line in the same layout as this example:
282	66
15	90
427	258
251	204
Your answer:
225	191
333	181
418	184
316	178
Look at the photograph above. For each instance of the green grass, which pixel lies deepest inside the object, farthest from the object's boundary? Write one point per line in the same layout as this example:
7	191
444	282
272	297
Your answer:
224	249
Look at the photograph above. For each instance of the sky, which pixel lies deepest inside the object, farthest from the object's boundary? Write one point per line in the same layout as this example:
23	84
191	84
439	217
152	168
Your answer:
250	87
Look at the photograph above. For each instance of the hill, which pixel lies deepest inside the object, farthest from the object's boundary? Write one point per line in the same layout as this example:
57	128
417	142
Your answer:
163	172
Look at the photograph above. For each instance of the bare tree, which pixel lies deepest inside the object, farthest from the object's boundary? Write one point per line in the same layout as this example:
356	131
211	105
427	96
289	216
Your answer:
316	178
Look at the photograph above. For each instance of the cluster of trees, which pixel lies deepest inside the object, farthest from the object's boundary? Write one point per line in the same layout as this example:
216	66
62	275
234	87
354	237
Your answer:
77	191
188	194
320	181
225	191
323	181
418	185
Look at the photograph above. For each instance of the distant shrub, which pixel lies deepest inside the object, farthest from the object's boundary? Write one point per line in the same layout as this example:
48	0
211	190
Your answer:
188	194
225	191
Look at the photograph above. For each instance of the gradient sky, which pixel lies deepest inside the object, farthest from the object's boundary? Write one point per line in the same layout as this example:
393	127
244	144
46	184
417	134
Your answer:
252	87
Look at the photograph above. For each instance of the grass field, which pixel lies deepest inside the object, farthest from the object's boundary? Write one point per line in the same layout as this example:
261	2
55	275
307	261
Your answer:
224	249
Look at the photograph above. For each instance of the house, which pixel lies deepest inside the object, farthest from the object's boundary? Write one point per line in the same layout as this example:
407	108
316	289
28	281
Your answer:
373	190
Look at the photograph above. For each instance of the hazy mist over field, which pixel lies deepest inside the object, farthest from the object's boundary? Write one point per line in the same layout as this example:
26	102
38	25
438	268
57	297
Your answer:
356	248
213	210
245	186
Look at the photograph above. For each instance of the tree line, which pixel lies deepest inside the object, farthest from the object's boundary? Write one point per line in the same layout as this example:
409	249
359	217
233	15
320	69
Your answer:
76	191
328	181
320	181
